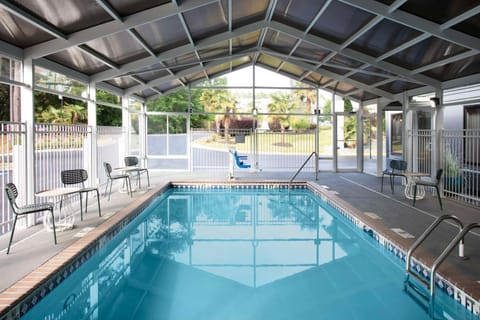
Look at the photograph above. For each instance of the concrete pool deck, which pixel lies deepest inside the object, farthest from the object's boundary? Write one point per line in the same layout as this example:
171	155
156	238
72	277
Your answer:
391	213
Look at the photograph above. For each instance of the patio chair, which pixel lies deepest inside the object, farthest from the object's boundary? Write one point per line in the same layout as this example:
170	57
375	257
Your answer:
132	163
397	167
79	176
116	176
12	194
433	184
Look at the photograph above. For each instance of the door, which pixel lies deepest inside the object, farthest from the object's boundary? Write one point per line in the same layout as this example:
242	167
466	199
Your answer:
346	156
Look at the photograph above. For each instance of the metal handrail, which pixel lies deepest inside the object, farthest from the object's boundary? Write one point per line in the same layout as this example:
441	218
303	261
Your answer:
458	239
426	233
302	166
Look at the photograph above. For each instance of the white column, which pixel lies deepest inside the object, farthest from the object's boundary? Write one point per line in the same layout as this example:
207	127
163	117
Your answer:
142	134
91	156
335	135
124	147
380	137
26	184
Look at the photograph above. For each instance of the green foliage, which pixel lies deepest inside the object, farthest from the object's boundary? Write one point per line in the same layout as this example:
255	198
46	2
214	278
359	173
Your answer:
51	108
108	116
302	123
349	126
4	102
282	103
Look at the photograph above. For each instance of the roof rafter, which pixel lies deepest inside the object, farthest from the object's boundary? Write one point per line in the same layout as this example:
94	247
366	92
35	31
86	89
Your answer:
179	51
332	75
416	22
350	53
111	27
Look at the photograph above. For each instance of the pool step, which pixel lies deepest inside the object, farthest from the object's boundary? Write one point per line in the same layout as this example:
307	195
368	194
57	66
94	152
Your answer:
418	291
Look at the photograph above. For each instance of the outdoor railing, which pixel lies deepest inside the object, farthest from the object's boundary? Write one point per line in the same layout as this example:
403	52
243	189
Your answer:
13	165
461	164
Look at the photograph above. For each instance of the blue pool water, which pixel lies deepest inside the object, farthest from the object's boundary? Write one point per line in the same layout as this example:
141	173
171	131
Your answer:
236	254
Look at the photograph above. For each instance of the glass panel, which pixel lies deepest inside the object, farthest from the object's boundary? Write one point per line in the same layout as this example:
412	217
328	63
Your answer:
59	82
396	134
370	144
10	68
346	142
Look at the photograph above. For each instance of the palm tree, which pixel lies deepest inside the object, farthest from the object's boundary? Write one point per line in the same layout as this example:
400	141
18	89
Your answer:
281	103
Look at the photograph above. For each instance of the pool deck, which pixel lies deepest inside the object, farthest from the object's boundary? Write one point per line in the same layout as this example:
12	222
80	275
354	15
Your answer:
391	214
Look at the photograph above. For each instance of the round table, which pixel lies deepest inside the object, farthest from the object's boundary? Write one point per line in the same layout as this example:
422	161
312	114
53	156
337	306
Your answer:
65	219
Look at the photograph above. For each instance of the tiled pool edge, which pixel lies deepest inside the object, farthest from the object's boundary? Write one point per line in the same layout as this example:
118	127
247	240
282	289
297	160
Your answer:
381	235
16	300
44	279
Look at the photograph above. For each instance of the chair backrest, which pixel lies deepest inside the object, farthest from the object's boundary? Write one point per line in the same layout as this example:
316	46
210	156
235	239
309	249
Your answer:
12	194
398	165
74	176
131	161
402	165
108	169
439	175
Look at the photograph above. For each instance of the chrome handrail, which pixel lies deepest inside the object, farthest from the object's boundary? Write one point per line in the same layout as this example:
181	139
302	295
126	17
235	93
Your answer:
420	240
302	166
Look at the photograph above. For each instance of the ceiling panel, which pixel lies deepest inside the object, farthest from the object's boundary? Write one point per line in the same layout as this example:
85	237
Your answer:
163	34
246	11
461	68
383	37
115	49
279	42
205	21
340	21
299	14
425	52
78	60
398	86
128	7
438	11
20	33
470	26
66	15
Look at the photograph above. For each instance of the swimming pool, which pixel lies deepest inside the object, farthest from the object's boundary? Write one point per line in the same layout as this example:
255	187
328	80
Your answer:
237	253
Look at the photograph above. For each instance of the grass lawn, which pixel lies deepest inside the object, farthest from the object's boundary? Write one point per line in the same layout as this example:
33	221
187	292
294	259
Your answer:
275	142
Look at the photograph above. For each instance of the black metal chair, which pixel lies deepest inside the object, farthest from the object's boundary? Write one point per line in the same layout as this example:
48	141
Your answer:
433	184
397	167
79	176
132	163
113	176
12	194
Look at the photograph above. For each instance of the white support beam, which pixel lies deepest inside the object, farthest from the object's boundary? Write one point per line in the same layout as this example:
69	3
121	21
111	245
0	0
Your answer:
30	18
179	51
350	53
333	75
415	22
112	27
460	18
186	72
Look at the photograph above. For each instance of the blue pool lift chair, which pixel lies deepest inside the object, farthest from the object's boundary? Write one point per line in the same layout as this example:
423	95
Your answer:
12	194
237	160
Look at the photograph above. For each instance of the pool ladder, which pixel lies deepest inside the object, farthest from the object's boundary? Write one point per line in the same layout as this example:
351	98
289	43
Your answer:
427	292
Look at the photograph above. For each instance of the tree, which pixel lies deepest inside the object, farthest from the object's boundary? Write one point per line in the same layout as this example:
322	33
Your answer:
350	123
282	104
218	101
